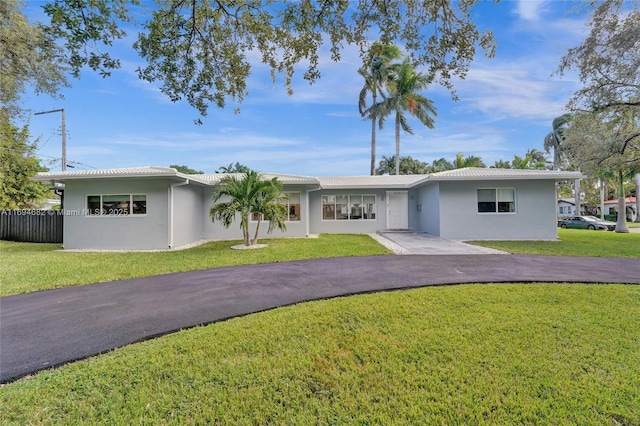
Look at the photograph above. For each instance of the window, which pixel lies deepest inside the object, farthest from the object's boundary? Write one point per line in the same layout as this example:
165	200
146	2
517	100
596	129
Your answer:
501	200
348	207
292	204
116	205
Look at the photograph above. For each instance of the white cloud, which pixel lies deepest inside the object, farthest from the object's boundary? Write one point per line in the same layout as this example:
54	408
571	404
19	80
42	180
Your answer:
228	138
531	10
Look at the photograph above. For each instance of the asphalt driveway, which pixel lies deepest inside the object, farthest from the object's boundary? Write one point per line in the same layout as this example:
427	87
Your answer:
49	328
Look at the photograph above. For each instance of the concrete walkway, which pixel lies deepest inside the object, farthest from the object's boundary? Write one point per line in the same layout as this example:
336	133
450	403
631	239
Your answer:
49	328
421	243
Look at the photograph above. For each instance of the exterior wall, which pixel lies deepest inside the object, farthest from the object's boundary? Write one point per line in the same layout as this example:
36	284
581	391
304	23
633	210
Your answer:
186	216
534	219
216	231
429	215
317	225
414	213
132	232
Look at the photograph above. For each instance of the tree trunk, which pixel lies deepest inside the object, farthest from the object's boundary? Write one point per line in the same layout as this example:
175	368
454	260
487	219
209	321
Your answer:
397	144
602	184
577	197
373	140
255	238
621	224
637	198
244	224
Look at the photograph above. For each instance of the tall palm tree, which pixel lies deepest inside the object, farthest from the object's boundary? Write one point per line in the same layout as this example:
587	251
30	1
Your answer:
376	75
404	96
247	195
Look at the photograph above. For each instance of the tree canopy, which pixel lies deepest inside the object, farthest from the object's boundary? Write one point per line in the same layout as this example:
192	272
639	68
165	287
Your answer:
17	166
408	166
204	51
604	135
377	73
28	57
247	195
186	169
608	60
233	168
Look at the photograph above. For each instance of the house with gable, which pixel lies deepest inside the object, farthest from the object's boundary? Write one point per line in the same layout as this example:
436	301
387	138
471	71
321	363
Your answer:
159	208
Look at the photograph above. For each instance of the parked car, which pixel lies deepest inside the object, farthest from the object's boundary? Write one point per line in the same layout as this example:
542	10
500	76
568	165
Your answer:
586	222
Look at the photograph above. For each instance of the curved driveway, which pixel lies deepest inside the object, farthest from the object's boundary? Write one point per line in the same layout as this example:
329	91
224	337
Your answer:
49	328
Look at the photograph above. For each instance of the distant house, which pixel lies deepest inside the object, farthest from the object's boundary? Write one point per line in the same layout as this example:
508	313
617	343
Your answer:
159	208
567	207
611	208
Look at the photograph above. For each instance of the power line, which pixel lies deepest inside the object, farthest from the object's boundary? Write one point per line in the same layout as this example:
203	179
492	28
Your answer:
69	163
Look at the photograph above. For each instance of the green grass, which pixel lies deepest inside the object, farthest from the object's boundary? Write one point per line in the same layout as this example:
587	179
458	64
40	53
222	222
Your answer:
469	354
575	242
31	267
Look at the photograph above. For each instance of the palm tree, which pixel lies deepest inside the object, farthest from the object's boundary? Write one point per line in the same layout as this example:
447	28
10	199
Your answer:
376	76
404	96
469	161
250	194
555	138
231	168
408	166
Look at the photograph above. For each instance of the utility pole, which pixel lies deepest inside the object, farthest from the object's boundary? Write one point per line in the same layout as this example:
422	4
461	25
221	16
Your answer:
64	135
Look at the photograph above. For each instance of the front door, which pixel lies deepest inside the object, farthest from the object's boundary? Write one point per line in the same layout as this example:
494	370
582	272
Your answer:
397	210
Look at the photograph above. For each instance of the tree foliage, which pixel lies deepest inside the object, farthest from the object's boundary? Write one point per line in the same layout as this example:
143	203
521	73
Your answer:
28	57
186	170
377	74
404	95
608	60
408	166
604	134
203	51
555	139
245	196
604	142
233	168
17	166
461	161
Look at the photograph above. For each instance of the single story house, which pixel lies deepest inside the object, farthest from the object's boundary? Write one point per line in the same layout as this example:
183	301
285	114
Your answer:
611	208
157	208
567	207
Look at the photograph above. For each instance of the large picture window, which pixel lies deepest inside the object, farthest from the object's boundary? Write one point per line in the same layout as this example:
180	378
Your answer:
498	200
116	205
348	207
292	203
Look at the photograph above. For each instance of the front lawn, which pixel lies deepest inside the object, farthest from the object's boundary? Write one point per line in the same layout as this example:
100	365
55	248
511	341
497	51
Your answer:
575	242
31	267
468	354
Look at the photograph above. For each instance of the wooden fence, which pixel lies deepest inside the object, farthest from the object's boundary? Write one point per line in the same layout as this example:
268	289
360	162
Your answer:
31	226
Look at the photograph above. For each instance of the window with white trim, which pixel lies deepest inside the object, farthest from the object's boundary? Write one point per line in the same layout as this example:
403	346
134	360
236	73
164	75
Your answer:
497	200
348	207
116	205
291	201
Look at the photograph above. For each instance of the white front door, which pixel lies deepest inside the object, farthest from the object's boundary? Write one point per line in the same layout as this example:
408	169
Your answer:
397	210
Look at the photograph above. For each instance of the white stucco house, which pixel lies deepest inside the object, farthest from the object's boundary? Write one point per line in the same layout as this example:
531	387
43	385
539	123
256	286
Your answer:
611	208
156	208
567	207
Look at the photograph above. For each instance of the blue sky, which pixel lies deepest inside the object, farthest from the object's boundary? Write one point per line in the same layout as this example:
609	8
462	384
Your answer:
506	105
